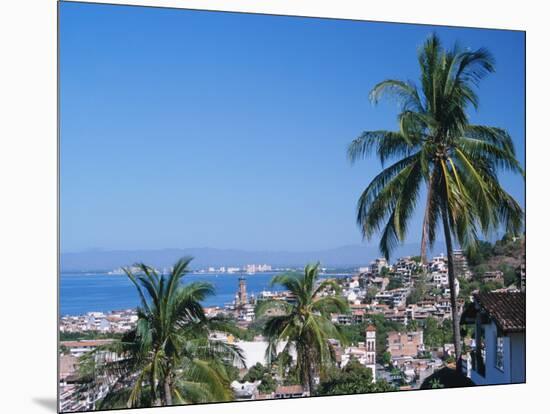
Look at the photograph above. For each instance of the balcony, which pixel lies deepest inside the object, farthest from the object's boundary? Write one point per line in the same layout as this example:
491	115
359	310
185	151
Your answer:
478	361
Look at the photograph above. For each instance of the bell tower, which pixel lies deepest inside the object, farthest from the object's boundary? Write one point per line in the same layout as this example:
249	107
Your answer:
242	291
370	343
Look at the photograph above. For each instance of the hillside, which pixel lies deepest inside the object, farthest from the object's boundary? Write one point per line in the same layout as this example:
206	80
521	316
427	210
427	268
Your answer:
506	255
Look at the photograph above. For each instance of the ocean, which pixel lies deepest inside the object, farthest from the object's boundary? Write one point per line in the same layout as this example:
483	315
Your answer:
99	292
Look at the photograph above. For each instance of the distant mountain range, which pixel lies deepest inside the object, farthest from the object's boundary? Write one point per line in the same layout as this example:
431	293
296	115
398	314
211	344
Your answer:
345	256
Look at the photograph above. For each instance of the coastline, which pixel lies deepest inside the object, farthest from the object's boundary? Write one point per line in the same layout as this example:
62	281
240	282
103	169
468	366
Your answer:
81	293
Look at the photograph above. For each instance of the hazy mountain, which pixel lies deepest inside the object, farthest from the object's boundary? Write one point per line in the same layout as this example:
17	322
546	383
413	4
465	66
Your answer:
355	255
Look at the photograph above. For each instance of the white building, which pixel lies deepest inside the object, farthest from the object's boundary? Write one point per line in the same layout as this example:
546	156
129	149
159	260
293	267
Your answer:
370	344
438	263
440	278
377	265
498	355
365	353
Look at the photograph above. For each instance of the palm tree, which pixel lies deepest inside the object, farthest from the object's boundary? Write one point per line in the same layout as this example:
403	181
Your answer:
437	147
169	355
305	325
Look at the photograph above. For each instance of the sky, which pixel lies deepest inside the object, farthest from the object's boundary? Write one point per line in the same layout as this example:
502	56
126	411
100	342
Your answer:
184	128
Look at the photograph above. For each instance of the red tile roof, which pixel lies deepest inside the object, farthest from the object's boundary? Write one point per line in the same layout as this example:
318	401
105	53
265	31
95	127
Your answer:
87	343
290	389
507	309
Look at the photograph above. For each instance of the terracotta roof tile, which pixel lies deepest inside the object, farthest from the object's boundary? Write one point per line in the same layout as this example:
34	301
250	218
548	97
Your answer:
507	309
289	389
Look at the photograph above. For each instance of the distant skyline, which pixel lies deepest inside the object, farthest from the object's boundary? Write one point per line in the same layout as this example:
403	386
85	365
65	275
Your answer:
185	129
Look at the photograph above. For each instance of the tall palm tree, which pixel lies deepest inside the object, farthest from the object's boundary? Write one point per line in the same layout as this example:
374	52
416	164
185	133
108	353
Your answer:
169	355
436	146
305	325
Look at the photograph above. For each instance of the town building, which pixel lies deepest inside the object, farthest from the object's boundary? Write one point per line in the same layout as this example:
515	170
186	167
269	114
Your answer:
370	344
377	265
461	264
440	278
498	354
521	276
492	276
405	344
290	391
438	263
115	321
254	268
244	391
79	348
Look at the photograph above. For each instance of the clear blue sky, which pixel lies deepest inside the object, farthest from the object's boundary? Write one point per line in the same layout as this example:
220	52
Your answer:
203	129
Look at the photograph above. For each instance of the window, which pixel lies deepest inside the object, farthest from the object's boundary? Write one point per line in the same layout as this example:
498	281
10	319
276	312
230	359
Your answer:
499	352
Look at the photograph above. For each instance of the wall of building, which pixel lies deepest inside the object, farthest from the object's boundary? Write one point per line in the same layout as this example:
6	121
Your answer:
493	375
514	359
517	342
254	351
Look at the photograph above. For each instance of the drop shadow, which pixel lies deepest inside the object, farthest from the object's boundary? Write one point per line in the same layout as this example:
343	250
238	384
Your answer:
49	403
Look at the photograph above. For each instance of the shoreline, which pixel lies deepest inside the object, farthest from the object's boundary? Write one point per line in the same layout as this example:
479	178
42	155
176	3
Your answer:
84	293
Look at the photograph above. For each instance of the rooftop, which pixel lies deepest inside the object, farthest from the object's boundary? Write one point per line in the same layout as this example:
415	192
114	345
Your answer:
507	309
289	389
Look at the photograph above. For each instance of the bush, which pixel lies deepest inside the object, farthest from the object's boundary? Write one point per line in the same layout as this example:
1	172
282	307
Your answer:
354	378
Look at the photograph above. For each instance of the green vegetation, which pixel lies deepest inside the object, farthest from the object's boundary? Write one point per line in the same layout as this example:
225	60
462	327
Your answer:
419	290
168	357
263	374
386	358
481	254
436	146
435	383
505	255
371	294
354	378
436	334
413	325
394	283
305	324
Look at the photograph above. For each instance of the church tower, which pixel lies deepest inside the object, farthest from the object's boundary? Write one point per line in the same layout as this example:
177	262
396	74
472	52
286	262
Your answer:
242	292
370	342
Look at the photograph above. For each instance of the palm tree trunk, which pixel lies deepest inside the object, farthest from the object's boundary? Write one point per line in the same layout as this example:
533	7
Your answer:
306	369
154	400
311	375
454	309
168	388
424	242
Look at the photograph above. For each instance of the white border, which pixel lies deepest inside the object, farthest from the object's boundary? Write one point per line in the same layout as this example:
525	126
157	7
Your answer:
28	201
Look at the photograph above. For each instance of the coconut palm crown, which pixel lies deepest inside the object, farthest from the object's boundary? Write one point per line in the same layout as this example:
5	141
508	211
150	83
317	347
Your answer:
168	357
436	146
304	325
